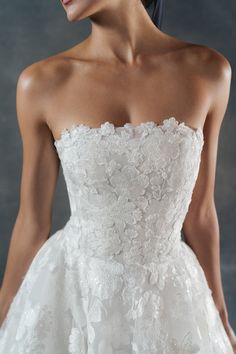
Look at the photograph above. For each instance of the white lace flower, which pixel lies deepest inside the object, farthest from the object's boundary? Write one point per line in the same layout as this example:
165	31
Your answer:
129	181
107	128
104	277
104	242
76	341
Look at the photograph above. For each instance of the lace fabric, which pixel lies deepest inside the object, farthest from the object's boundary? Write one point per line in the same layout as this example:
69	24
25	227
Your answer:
117	278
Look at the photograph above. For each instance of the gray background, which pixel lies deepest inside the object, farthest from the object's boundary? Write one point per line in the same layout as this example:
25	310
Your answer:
33	30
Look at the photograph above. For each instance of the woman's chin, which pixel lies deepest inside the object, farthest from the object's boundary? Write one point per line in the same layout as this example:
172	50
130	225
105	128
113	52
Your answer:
71	17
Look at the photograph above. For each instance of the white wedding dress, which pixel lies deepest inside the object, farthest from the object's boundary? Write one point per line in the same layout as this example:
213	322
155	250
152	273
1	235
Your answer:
118	278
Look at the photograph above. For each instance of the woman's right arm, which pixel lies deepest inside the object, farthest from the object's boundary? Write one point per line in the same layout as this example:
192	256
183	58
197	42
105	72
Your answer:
38	181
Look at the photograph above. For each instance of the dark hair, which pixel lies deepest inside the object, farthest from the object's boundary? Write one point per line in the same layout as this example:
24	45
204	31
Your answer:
157	13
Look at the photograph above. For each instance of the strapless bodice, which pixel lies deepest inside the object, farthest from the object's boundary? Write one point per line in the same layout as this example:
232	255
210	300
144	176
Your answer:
133	182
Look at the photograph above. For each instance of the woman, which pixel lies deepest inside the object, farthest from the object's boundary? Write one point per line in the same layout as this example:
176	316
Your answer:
117	278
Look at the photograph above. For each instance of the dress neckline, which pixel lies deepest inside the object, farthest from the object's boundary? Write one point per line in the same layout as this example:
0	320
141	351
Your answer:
166	122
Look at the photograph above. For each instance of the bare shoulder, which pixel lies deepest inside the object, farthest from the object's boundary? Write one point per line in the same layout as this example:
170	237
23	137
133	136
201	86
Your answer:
204	62
210	68
37	83
214	72
41	76
208	62
210	74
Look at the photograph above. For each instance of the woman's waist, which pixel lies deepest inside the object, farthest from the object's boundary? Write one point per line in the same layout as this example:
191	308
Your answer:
134	243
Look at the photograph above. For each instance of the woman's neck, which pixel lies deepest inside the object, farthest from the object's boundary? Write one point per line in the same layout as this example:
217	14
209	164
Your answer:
123	31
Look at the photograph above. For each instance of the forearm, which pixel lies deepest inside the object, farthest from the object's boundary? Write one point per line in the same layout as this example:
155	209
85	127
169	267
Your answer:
25	241
202	235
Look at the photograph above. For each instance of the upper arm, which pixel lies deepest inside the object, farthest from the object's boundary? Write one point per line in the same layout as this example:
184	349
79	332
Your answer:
203	193
40	162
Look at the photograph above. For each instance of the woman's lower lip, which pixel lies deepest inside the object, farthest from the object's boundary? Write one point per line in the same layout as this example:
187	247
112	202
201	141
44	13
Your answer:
66	2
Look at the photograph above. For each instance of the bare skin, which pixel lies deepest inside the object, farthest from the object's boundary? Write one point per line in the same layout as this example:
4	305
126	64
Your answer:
127	70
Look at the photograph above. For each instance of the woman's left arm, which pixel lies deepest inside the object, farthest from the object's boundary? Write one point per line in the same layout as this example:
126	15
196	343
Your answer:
201	228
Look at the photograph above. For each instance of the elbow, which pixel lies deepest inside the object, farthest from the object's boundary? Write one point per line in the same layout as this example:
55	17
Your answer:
201	224
201	212
32	228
